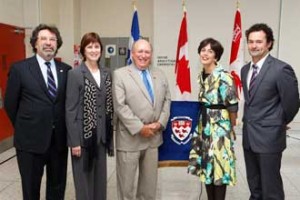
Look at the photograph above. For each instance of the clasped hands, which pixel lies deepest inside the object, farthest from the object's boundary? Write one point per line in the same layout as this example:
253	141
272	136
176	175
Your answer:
76	151
149	130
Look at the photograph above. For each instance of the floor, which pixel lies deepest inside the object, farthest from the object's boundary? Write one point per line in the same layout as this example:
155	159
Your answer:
173	183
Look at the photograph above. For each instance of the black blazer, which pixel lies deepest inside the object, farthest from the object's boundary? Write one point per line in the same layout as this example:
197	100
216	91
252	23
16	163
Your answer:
35	116
274	104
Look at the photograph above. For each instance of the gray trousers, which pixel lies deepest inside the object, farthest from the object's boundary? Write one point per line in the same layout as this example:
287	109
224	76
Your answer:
91	185
144	163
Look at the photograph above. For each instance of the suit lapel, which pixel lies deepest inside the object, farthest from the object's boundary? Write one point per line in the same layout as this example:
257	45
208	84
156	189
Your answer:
87	74
155	78
59	72
103	74
245	85
137	78
37	74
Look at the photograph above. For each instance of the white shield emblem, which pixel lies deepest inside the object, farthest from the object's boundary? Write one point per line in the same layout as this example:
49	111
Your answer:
181	128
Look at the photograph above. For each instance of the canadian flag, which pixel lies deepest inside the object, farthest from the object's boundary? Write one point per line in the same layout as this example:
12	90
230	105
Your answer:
182	69
237	52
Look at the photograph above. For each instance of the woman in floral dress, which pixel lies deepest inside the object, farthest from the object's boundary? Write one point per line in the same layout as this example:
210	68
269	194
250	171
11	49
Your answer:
212	155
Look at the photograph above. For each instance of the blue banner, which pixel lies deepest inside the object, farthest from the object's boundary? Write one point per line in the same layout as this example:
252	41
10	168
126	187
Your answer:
177	137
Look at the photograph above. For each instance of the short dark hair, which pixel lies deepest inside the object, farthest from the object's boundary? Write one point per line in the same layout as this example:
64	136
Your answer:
52	29
262	27
88	38
215	46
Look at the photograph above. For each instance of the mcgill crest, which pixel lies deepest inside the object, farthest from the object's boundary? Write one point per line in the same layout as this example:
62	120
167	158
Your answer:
181	129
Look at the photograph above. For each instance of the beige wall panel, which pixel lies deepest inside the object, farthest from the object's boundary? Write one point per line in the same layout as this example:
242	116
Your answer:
112	18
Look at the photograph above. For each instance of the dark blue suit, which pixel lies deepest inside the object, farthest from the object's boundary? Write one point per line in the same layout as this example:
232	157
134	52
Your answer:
40	130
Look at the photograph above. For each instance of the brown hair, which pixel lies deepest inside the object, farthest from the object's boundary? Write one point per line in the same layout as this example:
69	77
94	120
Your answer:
88	38
52	29
264	28
215	46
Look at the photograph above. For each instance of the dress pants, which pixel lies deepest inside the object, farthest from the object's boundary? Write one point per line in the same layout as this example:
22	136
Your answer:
31	167
90	185
144	163
263	175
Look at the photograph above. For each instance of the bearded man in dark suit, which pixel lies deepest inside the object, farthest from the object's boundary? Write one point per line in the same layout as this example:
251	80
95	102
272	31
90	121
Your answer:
35	104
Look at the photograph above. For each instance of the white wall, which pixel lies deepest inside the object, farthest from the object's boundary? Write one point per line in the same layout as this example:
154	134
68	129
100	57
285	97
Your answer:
11	12
61	14
112	18
289	41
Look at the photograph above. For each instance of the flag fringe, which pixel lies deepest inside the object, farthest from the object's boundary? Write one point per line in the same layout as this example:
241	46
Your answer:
173	163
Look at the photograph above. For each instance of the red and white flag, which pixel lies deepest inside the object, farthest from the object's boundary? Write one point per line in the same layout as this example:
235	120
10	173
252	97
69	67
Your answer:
182	68
237	60
237	52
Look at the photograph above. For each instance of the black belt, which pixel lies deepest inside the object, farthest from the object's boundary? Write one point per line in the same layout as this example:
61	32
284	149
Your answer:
204	111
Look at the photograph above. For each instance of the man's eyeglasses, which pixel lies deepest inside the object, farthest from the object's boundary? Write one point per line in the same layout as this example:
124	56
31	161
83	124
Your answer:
44	39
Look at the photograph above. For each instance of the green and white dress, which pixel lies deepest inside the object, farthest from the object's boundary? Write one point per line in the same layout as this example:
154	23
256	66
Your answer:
212	155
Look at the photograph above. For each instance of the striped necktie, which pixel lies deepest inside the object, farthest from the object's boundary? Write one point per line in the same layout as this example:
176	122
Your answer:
147	85
51	81
253	78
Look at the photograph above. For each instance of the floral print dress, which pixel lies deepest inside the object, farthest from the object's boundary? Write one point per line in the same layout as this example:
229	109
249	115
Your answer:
212	155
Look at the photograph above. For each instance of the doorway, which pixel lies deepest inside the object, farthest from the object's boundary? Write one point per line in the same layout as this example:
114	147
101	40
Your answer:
12	49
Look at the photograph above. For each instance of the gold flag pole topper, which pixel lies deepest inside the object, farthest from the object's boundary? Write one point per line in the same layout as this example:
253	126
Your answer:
237	4
183	6
133	3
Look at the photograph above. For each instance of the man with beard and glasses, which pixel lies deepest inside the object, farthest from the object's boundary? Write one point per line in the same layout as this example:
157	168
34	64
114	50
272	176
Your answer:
35	104
271	102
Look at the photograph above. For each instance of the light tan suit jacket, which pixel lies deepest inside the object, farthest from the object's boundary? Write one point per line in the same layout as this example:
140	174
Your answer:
133	107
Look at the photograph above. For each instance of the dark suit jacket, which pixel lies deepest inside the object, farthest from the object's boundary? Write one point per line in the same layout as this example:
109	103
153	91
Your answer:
74	106
34	115
273	105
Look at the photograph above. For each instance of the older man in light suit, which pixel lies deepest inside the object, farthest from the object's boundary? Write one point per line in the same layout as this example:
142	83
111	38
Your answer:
142	105
271	102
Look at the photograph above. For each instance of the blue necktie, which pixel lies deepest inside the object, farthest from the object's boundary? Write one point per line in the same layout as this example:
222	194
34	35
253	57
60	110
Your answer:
252	80
51	82
147	85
